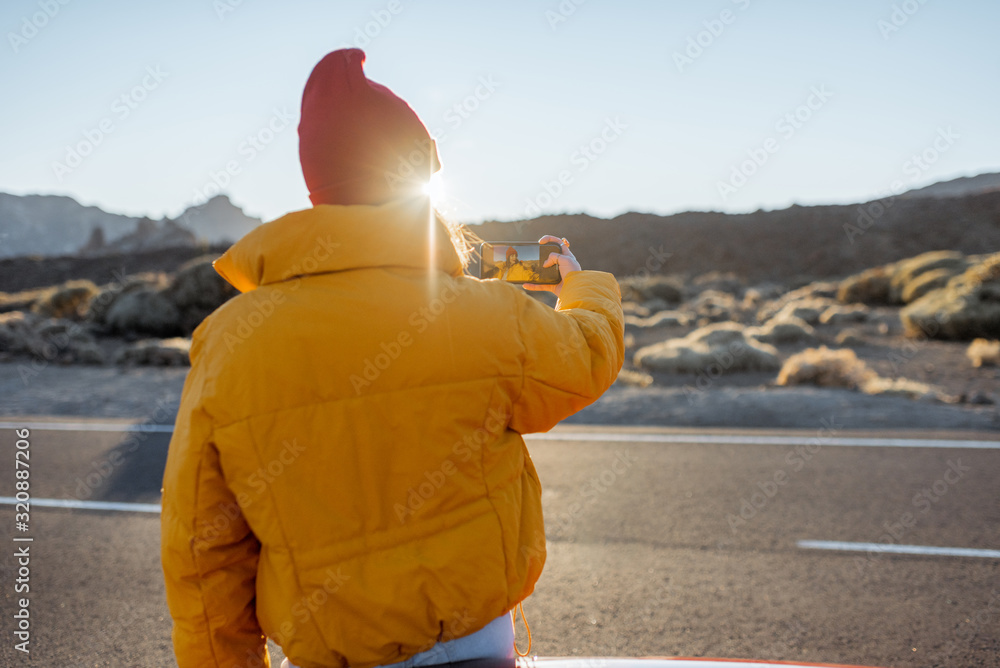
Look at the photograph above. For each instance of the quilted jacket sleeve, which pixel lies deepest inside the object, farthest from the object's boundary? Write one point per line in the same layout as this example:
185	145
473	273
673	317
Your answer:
208	551
573	354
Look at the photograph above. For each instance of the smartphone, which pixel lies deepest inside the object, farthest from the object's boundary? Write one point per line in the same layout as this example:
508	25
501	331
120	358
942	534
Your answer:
518	262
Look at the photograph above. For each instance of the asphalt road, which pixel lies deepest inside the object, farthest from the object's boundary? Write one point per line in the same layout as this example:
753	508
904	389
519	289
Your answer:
659	547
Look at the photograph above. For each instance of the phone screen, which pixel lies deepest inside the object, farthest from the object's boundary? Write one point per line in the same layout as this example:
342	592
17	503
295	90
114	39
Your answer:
518	262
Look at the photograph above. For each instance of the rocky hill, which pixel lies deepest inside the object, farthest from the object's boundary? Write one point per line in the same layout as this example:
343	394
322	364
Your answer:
55	225
965	185
794	244
217	221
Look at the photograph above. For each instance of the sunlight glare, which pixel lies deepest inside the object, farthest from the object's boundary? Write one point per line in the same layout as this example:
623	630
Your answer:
435	189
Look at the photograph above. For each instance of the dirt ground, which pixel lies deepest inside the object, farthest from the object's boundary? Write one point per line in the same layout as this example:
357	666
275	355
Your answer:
744	400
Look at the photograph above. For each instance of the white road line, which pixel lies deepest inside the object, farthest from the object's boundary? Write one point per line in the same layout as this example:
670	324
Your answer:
88	426
804	544
86	505
898	549
737	439
601	437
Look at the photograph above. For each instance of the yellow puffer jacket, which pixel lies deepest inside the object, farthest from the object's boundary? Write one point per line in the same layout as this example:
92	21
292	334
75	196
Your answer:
347	475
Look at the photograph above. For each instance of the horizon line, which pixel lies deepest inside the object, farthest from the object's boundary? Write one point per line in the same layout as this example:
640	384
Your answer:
488	220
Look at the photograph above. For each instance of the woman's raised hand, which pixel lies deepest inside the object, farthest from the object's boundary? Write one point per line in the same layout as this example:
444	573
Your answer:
565	259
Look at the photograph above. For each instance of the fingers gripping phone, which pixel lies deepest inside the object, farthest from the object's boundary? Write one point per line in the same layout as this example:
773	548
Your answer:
518	262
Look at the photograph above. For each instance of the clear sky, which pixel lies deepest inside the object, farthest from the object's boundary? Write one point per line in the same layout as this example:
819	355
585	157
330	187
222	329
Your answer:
539	106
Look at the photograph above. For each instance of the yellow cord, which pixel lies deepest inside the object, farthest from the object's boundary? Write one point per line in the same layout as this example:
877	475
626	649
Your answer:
513	624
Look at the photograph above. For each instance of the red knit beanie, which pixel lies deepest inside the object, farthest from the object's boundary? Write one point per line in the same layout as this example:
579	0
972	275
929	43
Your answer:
358	142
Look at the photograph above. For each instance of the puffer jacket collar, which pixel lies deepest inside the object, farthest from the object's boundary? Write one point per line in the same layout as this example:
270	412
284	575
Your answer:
327	238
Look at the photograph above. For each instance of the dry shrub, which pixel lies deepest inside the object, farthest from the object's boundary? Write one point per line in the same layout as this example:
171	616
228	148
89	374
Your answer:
630	293
715	306
869	287
102	303
850	337
15	331
47	339
661	319
826	368
727	282
907	271
197	290
884	323
71	342
755	297
842	368
837	315
926	282
716	349
820	290
156	352
903	281
634	378
155	305
143	311
809	309
645	288
633	308
904	387
68	301
20	301
968	307
652	306
983	352
780	331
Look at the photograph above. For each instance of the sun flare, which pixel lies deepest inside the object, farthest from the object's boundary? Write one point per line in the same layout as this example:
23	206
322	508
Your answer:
435	189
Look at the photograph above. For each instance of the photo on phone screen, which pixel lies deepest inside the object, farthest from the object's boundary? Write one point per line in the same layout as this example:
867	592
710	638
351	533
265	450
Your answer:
518	262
